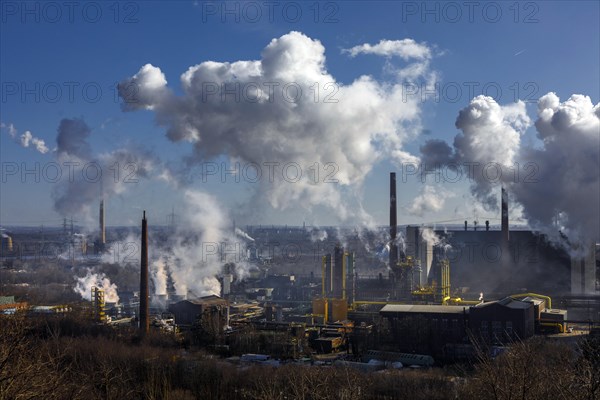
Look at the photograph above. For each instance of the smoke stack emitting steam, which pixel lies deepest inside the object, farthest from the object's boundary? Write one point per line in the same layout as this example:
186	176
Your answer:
144	323
393	221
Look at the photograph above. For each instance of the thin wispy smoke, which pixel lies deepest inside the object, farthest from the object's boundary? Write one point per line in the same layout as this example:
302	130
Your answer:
26	139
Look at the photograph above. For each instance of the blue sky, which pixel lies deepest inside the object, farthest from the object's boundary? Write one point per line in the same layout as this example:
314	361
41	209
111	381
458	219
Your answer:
532	47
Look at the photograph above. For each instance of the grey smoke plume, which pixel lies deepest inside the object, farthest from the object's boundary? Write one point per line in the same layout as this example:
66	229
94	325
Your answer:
71	139
267	111
567	174
94	175
558	185
26	139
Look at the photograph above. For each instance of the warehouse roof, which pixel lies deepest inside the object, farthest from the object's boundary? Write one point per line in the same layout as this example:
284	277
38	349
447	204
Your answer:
507	302
418	308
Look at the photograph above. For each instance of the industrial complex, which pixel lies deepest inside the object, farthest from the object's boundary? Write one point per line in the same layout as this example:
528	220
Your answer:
410	296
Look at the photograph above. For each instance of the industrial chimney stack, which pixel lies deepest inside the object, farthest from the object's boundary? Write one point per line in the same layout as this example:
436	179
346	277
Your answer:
102	225
504	217
144	322
393	222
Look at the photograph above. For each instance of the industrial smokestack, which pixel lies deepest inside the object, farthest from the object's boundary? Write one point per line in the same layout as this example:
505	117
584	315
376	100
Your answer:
102	225
393	221
144	320
505	236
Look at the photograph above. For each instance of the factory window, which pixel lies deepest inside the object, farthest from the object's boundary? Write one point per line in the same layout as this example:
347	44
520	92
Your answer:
497	330
509	329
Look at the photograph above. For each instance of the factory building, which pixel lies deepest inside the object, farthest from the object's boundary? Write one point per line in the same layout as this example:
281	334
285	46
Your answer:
422	325
210	310
500	261
503	320
427	328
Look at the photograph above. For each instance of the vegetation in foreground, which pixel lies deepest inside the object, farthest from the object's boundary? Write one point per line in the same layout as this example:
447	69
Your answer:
69	358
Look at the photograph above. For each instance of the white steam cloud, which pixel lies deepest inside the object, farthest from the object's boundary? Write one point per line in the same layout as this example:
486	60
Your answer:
26	139
268	112
84	285
430	199
559	184
243	234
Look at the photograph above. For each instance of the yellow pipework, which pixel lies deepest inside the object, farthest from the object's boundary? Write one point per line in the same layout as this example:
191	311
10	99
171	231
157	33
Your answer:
555	324
541	296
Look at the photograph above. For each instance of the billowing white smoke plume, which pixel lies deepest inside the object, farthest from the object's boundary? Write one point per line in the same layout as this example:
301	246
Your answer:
84	286
243	234
429	236
93	176
26	139
567	187
268	112
558	183
159	275
430	199
317	234
199	249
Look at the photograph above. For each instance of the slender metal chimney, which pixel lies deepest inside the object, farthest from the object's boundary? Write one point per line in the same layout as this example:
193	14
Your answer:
144	320
393	221
466	225
505	235
102	226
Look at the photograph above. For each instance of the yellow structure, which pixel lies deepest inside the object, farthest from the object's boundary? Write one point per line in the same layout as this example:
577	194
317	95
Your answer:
98	304
444	286
320	308
539	296
339	310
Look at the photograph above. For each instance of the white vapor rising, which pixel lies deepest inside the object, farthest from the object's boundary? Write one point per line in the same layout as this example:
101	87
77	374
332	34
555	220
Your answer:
268	111
26	139
434	240
430	199
202	245
106	174
159	275
558	186
568	169
243	234
84	286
